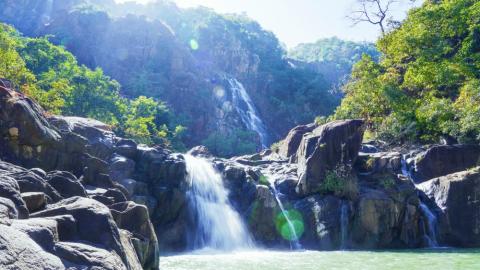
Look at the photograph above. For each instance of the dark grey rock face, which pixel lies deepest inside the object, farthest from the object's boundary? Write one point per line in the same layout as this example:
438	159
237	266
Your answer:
289	146
442	160
324	148
456	198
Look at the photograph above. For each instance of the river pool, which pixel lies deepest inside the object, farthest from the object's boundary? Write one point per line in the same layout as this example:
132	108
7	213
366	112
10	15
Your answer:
423	259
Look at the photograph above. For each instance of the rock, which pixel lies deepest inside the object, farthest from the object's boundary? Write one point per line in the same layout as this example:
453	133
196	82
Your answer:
135	219
41	173
93	221
127	148
34	200
456	197
379	163
116	195
18	251
86	256
31	182
289	146
96	173
132	257
262	216
321	216
121	168
9	189
324	149
200	151
442	160
66	184
380	221
170	172
41	230
8	211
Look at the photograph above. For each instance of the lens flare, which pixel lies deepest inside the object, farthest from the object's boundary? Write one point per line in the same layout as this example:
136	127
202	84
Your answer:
194	44
219	91
293	231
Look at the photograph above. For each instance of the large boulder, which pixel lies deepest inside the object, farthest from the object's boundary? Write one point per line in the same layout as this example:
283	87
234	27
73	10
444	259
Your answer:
19	252
66	184
458	206
442	160
262	216
289	146
384	221
135	219
84	256
322	222
9	189
324	149
94	223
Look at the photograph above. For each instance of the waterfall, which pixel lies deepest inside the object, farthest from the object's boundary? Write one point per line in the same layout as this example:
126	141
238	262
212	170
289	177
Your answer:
247	111
431	226
294	242
427	213
344	225
219	226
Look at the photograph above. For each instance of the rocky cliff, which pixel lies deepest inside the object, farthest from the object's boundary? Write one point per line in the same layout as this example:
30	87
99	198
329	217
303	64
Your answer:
74	195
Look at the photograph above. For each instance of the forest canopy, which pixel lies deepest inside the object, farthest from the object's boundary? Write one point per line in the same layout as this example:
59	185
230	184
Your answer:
427	84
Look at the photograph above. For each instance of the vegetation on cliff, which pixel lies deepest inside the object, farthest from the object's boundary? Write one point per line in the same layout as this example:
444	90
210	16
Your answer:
427	83
52	76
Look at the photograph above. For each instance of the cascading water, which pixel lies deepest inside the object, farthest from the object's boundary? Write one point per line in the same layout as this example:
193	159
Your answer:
344	224
219	226
247	111
427	213
294	241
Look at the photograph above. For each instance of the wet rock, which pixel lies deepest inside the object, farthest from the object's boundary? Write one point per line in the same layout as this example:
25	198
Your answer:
458	207
321	217
200	151
325	148
262	216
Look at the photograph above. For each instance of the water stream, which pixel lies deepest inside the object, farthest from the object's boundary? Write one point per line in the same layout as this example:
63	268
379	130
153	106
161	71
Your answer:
344	225
219	226
431	226
247	111
294	241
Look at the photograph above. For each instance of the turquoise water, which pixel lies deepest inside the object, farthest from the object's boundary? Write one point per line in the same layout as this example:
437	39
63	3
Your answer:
439	259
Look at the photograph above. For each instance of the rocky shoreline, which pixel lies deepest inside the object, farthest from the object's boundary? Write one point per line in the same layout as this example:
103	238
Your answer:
74	195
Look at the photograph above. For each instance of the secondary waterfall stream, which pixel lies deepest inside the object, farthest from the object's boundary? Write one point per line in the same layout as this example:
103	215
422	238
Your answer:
431	225
344	225
294	241
247	111
219	226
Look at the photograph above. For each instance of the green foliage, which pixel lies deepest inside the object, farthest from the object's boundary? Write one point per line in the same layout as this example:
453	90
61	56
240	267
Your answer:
275	147
387	183
263	180
51	75
333	183
426	84
238	142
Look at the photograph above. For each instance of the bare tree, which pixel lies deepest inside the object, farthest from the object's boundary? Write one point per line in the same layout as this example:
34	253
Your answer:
375	12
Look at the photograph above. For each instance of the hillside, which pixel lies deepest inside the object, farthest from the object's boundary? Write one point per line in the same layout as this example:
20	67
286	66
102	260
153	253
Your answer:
194	60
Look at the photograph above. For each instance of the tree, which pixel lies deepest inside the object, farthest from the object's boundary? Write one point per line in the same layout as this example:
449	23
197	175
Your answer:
375	12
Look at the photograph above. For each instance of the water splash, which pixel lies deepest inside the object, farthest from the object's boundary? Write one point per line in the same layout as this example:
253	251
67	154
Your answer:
219	226
247	111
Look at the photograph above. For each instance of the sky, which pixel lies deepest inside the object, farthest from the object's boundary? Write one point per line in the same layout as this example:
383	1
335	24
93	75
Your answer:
299	21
